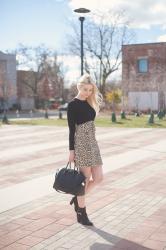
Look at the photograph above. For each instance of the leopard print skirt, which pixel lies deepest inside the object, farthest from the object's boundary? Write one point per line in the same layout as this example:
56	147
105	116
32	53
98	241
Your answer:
87	153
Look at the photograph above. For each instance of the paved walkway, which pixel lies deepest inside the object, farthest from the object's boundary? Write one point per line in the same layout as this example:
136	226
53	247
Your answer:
128	209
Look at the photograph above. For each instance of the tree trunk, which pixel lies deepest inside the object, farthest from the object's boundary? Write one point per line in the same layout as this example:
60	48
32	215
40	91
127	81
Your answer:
103	86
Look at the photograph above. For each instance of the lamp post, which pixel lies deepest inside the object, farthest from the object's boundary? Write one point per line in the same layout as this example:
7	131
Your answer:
81	11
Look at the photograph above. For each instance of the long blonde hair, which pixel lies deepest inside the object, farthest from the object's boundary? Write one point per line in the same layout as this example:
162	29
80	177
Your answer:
96	98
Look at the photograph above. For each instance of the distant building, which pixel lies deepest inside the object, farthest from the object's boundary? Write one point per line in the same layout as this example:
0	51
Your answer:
144	75
27	89
8	86
36	94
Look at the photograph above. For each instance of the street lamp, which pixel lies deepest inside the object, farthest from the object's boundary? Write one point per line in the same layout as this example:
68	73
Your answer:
81	11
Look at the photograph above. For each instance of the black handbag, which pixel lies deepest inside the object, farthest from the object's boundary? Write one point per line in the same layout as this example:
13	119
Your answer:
69	180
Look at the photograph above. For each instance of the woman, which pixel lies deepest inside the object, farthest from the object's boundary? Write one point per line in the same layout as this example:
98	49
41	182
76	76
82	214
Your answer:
83	146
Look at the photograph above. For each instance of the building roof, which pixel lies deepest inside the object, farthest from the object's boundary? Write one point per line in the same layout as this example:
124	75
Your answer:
140	44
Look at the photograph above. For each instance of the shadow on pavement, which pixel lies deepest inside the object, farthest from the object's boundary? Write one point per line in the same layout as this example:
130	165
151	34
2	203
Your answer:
116	243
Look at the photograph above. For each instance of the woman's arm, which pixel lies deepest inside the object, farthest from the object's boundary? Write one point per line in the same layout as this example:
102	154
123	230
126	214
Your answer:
71	125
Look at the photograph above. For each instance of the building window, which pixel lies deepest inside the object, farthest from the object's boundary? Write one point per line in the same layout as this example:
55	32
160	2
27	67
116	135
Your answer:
143	65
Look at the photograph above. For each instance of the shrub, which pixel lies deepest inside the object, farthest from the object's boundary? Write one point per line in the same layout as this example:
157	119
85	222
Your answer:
113	117
151	118
160	114
123	115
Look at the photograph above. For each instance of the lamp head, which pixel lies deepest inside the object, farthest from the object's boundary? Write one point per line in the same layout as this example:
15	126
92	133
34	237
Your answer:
82	10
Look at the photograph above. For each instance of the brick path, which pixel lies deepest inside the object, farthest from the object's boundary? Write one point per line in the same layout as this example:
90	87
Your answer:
128	209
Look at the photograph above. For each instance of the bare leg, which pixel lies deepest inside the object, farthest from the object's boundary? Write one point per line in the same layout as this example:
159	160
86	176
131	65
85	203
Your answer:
87	173
97	177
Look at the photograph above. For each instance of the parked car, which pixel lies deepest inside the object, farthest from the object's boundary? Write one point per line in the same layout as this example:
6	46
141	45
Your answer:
54	105
63	107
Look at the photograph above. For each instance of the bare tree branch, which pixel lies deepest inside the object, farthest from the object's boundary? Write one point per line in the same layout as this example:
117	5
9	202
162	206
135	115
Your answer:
105	35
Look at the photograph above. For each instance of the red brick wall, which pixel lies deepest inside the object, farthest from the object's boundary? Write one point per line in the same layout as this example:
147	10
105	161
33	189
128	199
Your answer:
156	54
154	79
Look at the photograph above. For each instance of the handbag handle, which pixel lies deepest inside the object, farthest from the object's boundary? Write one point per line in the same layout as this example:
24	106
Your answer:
69	164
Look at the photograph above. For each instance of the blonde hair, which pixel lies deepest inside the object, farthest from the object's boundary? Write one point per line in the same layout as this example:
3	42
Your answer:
95	99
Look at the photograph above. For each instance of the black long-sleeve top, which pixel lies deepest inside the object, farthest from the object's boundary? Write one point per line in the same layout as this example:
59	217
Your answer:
78	112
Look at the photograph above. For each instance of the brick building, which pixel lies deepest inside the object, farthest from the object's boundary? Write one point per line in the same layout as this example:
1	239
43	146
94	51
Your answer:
144	75
26	89
8	81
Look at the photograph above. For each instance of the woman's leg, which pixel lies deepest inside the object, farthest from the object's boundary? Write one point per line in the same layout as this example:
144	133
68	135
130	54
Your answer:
97	177
87	173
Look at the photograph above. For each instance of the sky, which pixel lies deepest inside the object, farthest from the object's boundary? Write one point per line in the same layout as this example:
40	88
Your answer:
32	22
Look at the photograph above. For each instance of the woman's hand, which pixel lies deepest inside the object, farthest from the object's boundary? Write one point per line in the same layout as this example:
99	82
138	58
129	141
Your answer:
71	156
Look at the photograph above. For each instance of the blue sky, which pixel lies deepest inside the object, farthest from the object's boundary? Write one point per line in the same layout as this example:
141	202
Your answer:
33	22
47	21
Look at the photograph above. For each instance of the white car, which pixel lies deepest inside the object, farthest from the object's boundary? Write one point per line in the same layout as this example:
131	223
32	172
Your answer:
63	107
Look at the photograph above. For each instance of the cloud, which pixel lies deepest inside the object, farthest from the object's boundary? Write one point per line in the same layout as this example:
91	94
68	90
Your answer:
143	14
72	67
161	38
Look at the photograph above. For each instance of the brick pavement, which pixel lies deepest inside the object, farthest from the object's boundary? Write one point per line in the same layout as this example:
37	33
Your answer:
128	209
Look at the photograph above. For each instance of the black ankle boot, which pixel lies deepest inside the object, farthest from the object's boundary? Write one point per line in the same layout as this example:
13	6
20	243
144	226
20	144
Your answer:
74	200
82	217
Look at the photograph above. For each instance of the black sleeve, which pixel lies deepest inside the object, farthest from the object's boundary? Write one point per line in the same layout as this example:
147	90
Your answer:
71	124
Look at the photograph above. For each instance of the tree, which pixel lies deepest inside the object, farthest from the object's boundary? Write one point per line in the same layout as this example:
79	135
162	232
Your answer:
51	84
46	79
114	97
72	91
105	34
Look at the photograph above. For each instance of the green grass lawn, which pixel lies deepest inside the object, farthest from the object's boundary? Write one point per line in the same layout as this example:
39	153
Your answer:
41	122
131	122
102	121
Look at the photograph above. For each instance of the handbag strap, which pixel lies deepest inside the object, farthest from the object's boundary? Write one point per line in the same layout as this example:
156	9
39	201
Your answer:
69	164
